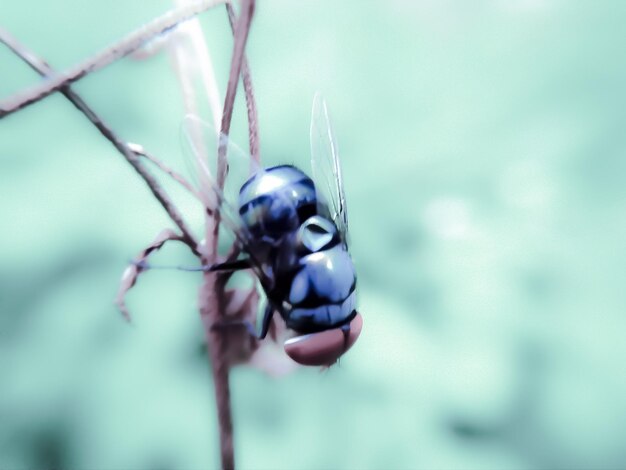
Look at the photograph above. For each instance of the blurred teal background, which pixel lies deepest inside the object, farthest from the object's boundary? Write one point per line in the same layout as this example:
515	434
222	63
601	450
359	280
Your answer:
483	148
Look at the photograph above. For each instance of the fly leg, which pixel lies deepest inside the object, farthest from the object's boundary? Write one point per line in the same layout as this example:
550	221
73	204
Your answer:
265	326
236	265
267	321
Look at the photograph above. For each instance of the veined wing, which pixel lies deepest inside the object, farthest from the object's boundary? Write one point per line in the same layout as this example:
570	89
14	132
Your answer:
200	143
326	165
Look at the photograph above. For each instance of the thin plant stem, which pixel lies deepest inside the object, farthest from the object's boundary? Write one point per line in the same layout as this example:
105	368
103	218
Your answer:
122	48
253	122
213	302
242	29
180	179
212	299
43	69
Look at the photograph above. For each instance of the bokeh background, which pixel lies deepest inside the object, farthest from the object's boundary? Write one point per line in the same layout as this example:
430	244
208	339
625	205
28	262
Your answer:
484	157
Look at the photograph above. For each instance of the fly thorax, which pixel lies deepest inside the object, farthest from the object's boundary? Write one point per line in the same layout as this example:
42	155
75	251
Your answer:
276	200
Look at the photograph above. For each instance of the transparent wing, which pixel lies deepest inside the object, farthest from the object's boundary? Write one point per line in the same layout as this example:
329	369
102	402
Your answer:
200	143
326	166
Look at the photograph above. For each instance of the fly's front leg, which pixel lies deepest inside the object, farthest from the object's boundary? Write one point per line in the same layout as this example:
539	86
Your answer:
237	265
228	266
267	320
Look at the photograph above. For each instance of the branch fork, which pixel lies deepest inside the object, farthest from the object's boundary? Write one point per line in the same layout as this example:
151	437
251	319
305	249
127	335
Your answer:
216	303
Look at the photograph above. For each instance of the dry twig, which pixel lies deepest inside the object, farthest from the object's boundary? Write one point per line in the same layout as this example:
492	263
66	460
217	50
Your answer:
253	126
214	300
213	303
124	47
43	69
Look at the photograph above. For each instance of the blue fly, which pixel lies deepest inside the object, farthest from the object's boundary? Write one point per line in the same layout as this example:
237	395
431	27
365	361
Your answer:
293	231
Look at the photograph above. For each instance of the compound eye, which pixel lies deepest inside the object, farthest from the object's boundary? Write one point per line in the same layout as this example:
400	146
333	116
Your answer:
316	233
325	347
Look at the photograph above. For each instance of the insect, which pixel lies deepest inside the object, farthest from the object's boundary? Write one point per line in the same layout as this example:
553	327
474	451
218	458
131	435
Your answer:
293	230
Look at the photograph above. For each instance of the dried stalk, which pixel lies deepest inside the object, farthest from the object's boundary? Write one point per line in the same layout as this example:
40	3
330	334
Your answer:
212	302
212	298
242	29
253	123
43	69
180	179
192	64
126	46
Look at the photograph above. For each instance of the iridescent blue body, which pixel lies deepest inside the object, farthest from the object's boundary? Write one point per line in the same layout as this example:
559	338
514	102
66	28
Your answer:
300	249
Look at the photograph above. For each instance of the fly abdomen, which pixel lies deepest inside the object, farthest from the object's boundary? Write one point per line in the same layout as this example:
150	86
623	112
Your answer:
322	293
322	317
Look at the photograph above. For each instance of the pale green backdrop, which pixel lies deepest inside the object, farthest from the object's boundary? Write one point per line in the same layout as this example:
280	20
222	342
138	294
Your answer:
484	156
